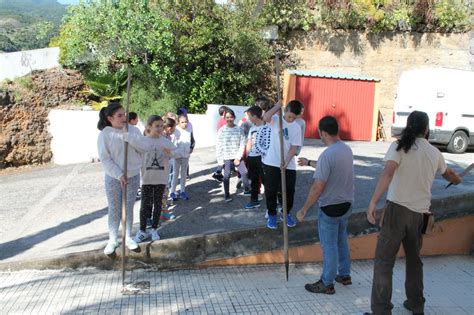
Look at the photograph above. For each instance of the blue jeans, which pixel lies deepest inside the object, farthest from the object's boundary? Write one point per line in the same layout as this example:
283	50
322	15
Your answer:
333	239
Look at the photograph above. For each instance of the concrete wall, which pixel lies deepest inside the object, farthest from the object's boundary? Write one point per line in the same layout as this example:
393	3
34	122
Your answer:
381	55
17	64
74	132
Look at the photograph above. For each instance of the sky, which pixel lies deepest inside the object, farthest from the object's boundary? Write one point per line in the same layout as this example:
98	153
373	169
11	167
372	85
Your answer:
68	1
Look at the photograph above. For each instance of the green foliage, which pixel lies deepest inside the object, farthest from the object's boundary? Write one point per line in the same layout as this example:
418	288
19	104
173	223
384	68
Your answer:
220	56
393	15
451	15
289	15
106	87
28	24
103	36
25	82
145	102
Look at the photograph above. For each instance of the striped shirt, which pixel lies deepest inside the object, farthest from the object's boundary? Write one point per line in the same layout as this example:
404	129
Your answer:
230	144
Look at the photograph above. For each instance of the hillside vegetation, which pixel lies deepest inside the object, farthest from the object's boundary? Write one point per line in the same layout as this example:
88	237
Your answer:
28	24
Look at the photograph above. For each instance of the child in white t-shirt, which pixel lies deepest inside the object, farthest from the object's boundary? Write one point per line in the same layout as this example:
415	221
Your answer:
272	159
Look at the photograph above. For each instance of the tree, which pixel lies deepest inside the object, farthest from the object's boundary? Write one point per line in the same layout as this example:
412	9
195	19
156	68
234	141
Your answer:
197	51
103	36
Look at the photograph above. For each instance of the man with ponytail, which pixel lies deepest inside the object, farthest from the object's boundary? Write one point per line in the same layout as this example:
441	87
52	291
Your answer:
411	165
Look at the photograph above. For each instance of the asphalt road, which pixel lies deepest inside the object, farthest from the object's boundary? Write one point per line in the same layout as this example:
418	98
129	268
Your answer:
62	209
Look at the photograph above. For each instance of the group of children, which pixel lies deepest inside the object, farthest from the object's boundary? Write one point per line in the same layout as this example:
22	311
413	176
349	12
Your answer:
160	156
253	150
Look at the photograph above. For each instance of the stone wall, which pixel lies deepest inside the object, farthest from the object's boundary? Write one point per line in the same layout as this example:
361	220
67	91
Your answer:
381	55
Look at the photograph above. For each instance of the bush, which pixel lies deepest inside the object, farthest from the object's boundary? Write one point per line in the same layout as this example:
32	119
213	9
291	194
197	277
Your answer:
145	103
451	16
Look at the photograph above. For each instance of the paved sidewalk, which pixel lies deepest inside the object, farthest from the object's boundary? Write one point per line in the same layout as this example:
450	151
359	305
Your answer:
449	287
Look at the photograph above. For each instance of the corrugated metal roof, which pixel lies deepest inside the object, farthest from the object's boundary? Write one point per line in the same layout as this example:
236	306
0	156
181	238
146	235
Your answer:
333	75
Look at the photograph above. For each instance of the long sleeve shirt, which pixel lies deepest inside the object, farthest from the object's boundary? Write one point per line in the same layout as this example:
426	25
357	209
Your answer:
111	149
182	140
230	144
155	167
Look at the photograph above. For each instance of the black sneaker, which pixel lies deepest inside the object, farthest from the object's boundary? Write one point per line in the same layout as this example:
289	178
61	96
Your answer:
319	287
345	280
218	176
408	307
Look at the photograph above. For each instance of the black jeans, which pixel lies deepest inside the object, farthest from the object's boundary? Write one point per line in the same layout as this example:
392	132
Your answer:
400	226
152	196
255	174
272	182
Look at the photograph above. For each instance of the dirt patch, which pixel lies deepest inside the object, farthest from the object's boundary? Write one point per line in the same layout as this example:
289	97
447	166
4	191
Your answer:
24	107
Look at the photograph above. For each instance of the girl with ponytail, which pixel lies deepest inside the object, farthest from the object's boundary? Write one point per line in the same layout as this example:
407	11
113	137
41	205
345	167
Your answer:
111	148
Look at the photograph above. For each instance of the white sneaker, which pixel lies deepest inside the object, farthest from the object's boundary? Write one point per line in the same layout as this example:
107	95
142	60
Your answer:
266	213
110	248
154	235
131	244
141	236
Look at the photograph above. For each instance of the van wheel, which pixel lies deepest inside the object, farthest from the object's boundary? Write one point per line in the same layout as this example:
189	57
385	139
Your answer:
458	143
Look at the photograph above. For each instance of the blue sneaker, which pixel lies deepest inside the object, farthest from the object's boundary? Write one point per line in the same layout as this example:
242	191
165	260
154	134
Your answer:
289	220
173	196
183	196
252	204
272	222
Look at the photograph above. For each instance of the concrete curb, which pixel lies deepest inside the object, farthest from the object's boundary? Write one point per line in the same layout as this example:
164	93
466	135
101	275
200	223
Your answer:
188	251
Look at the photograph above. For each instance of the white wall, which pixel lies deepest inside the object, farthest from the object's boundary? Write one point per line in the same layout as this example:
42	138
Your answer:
75	132
17	64
74	135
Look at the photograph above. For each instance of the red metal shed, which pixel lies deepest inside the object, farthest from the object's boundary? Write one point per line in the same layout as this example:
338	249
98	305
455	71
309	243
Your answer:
351	99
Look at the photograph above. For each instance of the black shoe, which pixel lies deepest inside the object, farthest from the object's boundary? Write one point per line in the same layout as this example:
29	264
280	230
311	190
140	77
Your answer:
217	176
239	185
368	313
319	287
408	307
345	280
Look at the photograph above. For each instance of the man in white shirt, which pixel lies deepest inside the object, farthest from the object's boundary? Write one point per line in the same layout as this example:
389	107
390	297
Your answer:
411	165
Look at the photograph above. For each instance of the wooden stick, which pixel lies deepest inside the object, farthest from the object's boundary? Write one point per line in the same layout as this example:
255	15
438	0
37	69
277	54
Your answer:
124	188
282	169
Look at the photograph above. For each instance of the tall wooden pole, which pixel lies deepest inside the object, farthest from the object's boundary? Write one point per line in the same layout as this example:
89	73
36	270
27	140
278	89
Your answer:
124	188
282	169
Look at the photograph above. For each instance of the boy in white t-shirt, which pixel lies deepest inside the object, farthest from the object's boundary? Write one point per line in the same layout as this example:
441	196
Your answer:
272	159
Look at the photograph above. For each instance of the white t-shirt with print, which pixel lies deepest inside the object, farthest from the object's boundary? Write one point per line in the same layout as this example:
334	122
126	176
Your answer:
252	137
291	136
412	181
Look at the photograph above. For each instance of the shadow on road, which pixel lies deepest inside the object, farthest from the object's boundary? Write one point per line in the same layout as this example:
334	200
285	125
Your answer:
17	246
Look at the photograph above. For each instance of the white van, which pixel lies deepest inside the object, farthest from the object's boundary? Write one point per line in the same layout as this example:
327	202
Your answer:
447	96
